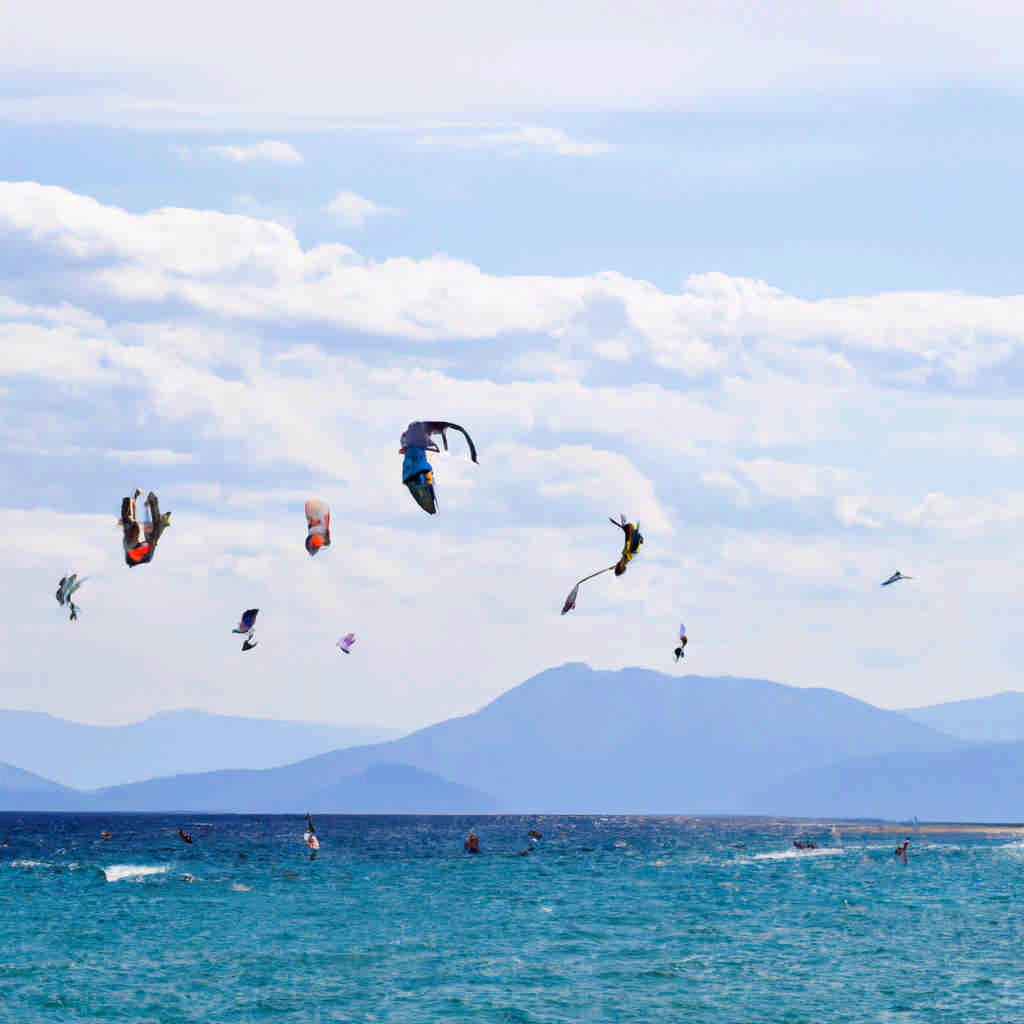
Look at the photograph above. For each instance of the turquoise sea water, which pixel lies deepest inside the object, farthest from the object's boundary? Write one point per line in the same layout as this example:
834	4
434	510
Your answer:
606	919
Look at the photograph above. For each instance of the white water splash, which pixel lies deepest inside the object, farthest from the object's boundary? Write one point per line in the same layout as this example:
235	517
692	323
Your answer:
118	872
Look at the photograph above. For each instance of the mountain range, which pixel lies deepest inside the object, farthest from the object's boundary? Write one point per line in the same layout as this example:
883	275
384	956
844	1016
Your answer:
576	740
91	756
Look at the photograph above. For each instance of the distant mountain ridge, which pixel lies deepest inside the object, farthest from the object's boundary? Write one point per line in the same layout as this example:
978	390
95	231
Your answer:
24	791
572	739
88	757
575	740
995	719
976	784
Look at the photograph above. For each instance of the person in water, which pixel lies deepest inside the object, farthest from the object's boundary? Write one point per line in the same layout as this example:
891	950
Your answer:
631	544
472	843
186	836
309	824
901	851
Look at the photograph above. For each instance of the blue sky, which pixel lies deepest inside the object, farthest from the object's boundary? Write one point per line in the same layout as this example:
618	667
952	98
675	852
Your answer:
765	301
825	195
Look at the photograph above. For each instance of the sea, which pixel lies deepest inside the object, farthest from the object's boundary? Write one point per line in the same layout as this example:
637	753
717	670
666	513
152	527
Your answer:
601	919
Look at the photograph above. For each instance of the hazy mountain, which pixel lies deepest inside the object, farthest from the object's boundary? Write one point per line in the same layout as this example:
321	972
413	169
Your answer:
24	791
380	788
400	789
995	719
170	742
982	784
572	739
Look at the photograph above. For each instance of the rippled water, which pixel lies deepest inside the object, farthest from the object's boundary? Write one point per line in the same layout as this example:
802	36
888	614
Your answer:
605	919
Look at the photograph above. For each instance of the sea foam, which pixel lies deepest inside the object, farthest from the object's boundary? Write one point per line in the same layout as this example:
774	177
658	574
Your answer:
118	872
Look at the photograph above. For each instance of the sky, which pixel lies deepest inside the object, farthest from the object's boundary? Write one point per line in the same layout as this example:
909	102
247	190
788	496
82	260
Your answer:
749	277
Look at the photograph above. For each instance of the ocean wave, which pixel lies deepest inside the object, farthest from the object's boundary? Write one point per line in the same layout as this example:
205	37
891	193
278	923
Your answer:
827	851
118	872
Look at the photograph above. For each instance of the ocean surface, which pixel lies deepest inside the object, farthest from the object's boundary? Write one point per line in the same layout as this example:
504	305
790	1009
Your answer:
604	919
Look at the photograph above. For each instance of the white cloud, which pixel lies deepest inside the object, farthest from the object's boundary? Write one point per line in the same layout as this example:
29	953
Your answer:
738	331
793	481
393	58
269	150
520	137
250	206
755	435
139	456
721	480
354	211
967	438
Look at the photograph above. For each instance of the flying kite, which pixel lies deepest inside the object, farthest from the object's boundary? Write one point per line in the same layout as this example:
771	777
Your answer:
417	473
679	651
245	627
631	545
895	578
140	539
318	525
346	643
247	621
67	586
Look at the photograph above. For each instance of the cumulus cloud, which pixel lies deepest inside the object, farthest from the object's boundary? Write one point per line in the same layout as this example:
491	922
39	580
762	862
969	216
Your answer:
270	150
250	206
241	372
354	211
244	268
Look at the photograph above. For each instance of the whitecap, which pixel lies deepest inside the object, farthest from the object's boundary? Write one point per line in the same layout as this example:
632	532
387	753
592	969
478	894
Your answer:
118	872
828	851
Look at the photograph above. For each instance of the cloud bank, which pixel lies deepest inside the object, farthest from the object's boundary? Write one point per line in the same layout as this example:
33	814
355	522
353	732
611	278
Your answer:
771	448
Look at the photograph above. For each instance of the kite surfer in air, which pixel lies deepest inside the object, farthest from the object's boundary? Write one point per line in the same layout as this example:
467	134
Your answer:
140	538
318	525
417	472
631	545
245	626
679	652
895	578
67	586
